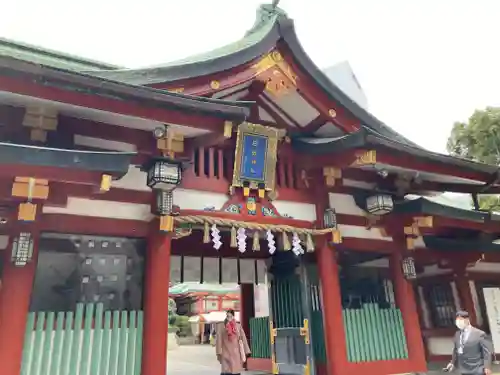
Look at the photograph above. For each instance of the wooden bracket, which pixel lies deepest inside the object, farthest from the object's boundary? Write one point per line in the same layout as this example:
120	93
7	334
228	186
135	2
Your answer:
332	174
40	120
228	129
30	188
106	180
27	212
410	243
336	236
424	221
172	143
365	158
166	223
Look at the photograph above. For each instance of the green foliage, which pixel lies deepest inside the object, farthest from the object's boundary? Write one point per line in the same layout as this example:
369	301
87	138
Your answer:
183	325
478	139
172	310
489	203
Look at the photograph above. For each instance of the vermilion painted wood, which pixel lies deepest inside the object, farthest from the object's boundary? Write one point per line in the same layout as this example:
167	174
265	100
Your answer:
157	277
188	118
15	296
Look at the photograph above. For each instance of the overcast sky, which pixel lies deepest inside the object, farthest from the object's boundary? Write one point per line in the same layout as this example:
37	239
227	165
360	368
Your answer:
422	63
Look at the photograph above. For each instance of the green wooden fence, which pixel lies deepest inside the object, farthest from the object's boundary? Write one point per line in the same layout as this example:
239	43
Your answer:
286	302
260	340
89	341
374	334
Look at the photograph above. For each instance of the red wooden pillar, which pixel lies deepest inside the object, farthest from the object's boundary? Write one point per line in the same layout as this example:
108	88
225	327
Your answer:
157	278
336	349
405	300
15	297
247	307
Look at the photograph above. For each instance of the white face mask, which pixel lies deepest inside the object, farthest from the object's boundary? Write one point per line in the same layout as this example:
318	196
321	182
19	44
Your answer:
460	324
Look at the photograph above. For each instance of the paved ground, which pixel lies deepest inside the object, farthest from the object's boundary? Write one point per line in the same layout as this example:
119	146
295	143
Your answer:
200	360
194	360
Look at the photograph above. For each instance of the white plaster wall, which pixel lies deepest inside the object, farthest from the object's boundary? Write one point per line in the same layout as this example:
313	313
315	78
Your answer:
424	308
344	204
362	232
188	199
475	300
135	179
485	267
296	210
4	242
104	209
456	297
261	299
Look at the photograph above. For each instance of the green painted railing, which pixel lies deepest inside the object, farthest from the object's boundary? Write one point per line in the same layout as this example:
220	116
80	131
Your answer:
318	336
286	302
89	341
374	334
260	340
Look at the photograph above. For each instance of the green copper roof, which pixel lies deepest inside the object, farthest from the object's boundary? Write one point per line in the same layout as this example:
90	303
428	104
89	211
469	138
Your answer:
185	288
267	19
47	57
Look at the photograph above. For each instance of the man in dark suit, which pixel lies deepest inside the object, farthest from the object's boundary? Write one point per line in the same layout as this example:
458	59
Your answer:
472	352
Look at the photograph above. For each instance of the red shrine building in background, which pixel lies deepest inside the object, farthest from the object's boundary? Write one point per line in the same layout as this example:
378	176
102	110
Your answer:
242	165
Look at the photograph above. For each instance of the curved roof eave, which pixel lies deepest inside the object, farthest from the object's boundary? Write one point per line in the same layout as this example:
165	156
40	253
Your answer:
234	110
272	25
260	39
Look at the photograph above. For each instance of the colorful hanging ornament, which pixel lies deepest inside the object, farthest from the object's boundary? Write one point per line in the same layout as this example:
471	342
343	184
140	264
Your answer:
256	241
271	244
286	241
309	243
296	246
206	233
216	238
233	238
242	240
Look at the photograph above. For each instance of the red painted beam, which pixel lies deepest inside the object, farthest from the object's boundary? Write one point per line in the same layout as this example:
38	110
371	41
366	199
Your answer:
396	159
62	223
250	218
201	85
188	118
315	124
142	139
51	173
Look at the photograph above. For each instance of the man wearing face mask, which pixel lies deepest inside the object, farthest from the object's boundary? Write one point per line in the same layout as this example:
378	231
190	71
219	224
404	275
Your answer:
472	350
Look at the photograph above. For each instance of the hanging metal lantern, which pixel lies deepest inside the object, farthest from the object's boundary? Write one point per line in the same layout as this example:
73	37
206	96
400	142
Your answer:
330	218
22	249
379	204
164	202
409	270
163	173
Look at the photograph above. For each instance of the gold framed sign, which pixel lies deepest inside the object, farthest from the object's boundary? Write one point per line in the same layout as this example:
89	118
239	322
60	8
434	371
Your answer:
256	156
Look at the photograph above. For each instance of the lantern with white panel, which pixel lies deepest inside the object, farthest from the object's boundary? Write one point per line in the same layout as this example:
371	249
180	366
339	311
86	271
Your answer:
409	270
379	204
163	176
163	173
22	249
